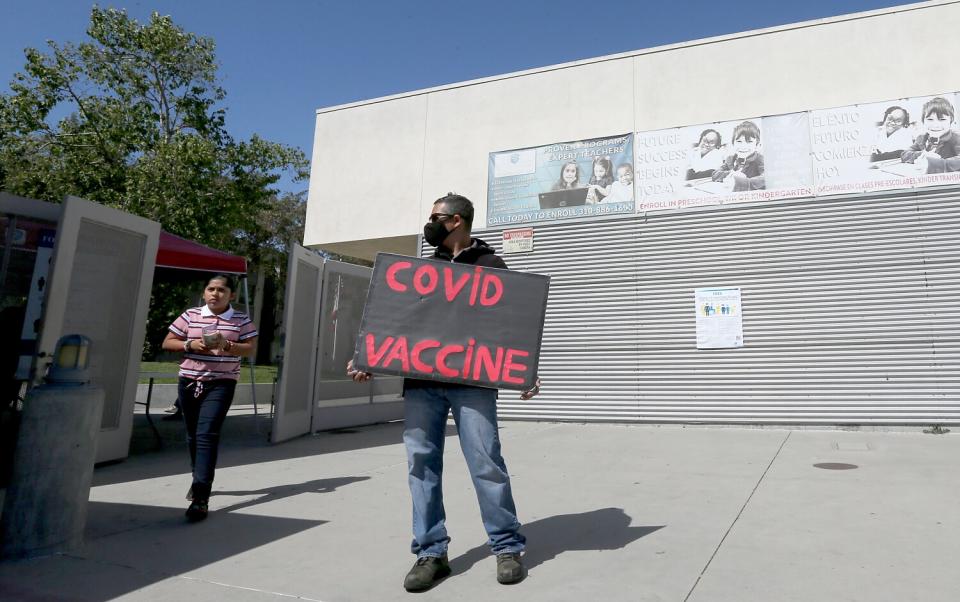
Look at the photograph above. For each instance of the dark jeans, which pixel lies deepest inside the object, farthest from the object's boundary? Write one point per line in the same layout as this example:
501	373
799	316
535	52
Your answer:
203	414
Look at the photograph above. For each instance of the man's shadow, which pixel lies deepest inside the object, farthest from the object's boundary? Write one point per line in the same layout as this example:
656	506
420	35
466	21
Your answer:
272	494
547	538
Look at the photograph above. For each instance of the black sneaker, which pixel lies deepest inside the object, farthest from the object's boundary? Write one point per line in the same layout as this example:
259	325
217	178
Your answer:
197	511
426	572
510	569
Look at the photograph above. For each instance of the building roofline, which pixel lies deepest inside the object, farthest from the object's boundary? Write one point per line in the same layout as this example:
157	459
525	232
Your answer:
654	50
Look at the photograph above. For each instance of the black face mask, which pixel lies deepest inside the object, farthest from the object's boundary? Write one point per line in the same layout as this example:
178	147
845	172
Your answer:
435	233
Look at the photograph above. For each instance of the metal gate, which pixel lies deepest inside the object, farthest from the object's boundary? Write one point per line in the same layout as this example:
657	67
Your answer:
323	306
99	286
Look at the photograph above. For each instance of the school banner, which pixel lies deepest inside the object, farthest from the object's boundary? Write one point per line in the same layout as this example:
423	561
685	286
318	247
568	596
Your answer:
452	322
754	159
885	145
565	180
901	144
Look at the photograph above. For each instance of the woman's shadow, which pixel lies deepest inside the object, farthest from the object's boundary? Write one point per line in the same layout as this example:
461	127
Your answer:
272	494
603	529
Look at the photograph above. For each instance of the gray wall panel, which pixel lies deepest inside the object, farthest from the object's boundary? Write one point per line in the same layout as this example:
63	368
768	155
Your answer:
849	314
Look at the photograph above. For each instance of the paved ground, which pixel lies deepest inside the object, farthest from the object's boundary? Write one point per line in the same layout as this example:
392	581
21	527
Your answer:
612	512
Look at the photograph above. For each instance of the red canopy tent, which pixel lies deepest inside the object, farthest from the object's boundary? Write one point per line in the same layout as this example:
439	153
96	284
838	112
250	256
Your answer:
174	252
180	253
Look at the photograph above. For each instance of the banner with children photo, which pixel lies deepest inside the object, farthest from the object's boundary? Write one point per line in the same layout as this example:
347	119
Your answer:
725	162
565	180
898	144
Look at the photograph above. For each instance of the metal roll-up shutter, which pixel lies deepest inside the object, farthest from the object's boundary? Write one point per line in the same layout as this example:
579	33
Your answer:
850	314
589	352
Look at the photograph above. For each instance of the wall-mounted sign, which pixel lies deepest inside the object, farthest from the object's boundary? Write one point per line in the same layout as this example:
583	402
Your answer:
730	162
719	318
898	144
906	143
565	180
452	322
519	240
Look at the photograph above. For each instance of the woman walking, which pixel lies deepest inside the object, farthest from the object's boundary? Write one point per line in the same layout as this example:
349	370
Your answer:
213	338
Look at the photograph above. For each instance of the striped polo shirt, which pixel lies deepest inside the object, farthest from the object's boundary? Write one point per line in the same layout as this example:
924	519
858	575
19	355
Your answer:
234	325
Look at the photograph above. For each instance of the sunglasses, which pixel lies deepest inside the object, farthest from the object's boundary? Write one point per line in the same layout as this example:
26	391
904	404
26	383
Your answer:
439	217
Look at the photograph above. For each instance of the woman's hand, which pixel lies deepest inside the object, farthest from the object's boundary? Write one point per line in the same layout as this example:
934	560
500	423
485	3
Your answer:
197	346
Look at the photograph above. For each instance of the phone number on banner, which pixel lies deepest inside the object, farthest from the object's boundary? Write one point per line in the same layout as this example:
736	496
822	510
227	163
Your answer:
559	213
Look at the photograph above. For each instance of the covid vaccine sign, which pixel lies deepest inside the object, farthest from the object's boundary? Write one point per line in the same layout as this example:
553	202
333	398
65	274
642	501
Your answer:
452	322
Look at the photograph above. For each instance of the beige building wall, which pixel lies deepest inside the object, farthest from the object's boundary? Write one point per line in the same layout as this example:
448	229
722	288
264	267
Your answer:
433	141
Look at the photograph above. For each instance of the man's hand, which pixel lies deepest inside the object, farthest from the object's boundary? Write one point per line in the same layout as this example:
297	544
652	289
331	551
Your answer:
357	375
529	393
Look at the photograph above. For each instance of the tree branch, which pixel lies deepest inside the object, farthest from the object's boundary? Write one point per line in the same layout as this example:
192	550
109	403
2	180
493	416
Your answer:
165	124
86	115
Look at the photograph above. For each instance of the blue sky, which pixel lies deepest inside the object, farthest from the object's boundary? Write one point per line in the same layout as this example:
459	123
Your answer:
282	60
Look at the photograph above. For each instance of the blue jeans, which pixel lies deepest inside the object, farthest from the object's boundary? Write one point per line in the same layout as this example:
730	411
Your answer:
475	413
203	414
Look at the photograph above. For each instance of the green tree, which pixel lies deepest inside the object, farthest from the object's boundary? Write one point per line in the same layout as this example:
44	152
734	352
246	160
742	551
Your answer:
133	118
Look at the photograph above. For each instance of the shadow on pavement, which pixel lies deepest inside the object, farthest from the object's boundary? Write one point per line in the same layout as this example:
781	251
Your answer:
272	494
106	519
241	444
245	430
130	547
547	538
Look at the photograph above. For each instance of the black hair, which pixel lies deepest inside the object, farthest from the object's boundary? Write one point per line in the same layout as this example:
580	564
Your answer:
457	204
606	163
707	131
906	114
748	130
938	106
229	281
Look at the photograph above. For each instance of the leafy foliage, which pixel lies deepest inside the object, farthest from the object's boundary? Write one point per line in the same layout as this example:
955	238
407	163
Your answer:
133	118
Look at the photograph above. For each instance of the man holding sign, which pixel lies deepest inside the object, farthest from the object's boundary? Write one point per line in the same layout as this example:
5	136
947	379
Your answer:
447	365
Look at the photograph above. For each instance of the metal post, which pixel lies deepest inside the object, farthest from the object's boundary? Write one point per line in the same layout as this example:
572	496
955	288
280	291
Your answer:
45	509
252	360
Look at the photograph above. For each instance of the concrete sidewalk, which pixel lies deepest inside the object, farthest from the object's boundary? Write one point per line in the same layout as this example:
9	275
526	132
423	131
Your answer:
611	512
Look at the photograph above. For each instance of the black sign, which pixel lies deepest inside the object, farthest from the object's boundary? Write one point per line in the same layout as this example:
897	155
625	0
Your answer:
452	322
